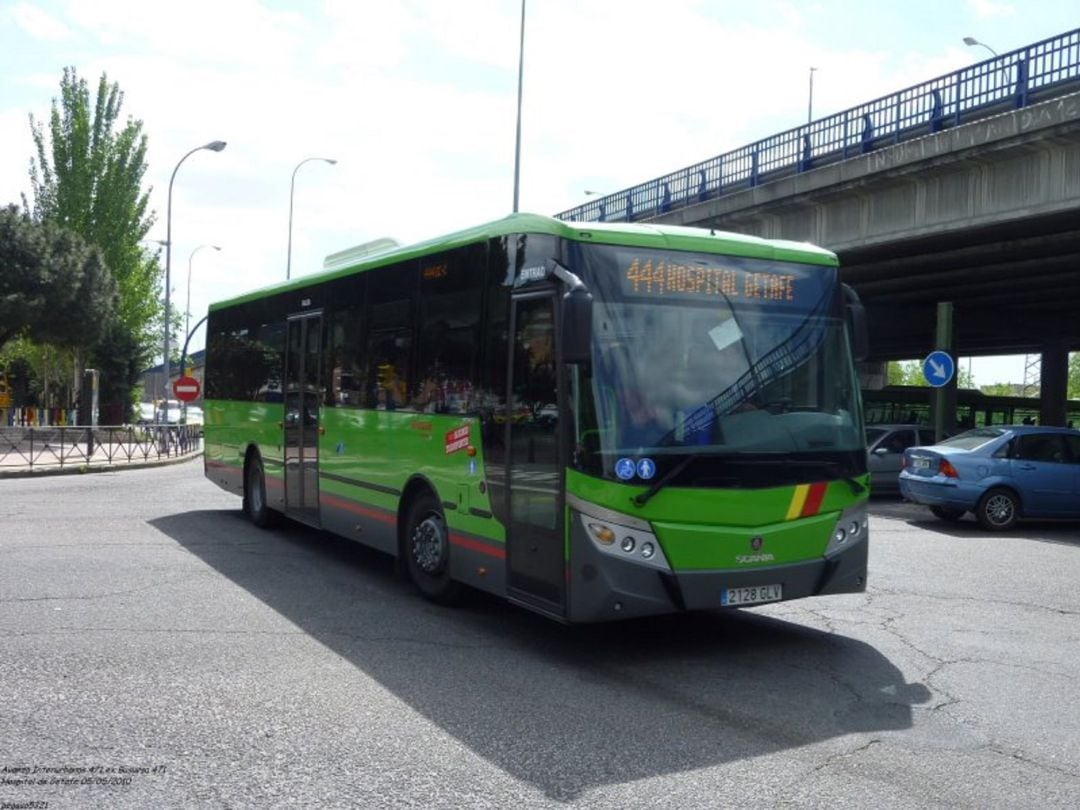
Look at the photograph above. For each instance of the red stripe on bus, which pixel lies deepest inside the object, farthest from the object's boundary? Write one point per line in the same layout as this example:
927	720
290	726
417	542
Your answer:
476	545
355	508
814	499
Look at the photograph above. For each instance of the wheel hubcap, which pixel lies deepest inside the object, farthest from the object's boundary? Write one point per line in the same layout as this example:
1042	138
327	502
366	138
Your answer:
428	543
999	509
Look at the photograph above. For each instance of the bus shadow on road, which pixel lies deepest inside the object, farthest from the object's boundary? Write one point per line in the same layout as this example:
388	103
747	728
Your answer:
563	708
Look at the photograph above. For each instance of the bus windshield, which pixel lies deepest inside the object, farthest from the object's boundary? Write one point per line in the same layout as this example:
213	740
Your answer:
715	356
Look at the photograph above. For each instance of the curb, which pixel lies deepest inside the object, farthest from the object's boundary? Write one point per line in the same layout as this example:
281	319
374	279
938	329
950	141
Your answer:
87	469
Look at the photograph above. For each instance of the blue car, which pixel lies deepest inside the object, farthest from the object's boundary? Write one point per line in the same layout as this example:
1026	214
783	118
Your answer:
999	473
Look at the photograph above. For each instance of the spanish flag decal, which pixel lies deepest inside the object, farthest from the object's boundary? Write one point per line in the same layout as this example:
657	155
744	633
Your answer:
806	501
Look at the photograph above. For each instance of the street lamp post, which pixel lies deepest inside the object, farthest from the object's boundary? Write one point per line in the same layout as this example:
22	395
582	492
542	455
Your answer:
187	311
213	146
292	188
971	41
810	103
517	141
1003	70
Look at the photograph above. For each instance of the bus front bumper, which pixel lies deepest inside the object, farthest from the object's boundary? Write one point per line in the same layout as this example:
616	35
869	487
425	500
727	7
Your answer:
605	589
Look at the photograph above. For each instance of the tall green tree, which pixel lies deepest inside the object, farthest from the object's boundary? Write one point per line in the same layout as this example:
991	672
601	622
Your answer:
87	175
905	372
1074	375
54	287
999	389
909	372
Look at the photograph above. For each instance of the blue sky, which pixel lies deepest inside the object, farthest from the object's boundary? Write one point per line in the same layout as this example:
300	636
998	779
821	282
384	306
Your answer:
416	100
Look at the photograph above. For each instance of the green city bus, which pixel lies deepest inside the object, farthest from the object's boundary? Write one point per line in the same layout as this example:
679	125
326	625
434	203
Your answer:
594	421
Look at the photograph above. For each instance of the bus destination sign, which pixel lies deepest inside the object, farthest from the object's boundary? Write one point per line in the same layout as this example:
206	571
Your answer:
657	278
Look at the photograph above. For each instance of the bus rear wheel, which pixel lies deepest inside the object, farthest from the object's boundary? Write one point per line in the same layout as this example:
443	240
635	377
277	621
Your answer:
427	551
255	505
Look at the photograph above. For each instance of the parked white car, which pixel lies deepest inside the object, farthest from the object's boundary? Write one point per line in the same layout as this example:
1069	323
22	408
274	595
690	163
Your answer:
144	413
194	417
168	413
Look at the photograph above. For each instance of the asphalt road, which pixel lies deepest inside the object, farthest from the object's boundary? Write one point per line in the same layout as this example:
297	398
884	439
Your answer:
158	651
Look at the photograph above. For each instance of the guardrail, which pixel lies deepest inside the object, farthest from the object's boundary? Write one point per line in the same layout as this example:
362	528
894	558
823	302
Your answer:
1010	81
64	447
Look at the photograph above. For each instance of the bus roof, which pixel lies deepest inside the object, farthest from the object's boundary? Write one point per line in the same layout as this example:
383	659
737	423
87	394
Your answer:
652	235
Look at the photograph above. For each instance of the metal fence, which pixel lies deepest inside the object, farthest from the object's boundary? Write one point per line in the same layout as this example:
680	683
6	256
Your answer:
1009	81
32	448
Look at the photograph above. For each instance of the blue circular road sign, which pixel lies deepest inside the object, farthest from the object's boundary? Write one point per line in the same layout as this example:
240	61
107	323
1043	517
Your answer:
938	368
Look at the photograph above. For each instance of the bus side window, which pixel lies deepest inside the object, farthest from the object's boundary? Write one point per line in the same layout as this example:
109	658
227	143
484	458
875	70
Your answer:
391	318
389	353
451	291
345	372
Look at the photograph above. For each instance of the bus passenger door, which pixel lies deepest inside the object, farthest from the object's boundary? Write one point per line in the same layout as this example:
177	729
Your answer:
303	397
536	557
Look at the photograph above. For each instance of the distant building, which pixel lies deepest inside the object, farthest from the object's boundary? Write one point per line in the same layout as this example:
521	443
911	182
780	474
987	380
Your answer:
151	379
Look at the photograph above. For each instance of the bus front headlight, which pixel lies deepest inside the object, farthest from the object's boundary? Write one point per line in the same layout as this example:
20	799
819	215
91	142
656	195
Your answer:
850	529
633	543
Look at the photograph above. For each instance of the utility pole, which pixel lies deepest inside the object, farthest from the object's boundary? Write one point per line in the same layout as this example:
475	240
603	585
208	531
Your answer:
517	142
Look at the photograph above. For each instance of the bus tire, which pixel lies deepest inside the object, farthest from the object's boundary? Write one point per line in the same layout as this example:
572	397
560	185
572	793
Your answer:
947	513
427	551
255	505
998	509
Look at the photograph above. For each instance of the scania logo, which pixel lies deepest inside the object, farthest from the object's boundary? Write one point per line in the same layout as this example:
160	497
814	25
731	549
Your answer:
757	542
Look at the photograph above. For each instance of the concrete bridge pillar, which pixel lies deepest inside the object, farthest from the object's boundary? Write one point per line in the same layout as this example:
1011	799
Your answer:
943	406
1053	382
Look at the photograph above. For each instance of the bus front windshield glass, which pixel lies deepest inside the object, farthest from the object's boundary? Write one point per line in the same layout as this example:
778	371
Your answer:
715	357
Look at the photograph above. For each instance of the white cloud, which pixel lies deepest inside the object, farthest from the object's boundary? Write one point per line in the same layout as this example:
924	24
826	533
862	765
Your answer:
984	9
38	23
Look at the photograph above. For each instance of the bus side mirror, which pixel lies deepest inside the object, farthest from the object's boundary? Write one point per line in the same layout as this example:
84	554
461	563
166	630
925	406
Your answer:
577	326
856	317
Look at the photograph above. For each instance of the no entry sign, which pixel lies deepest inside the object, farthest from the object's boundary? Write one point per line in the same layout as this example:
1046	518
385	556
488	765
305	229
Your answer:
186	389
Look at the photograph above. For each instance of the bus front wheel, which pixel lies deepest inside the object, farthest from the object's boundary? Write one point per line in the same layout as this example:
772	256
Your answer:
255	506
427	551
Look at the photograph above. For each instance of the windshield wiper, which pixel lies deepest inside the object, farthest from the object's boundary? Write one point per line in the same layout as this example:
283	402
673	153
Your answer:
662	481
666	478
841	470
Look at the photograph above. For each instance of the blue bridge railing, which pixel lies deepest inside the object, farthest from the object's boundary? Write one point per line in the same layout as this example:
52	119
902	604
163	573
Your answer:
1009	81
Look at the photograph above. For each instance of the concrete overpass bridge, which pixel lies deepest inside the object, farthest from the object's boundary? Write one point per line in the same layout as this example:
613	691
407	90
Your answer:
962	189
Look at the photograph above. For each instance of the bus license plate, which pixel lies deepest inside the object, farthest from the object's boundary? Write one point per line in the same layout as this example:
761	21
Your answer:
751	596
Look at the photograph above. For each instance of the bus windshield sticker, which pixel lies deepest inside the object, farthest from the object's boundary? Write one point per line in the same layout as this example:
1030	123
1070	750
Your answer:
726	334
625	468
